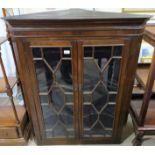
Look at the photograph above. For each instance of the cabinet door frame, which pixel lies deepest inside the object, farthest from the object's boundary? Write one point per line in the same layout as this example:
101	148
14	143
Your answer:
28	45
127	72
119	104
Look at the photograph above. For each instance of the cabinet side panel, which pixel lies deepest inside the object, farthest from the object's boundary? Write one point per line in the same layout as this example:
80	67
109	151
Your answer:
127	76
27	87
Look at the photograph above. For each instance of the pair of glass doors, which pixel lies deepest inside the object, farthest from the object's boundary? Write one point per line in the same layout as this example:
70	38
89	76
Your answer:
77	85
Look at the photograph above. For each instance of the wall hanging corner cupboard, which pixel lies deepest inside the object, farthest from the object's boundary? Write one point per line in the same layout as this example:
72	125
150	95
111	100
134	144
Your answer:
77	69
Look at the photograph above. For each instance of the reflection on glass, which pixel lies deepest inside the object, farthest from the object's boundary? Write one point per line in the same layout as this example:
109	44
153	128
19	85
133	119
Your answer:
57	98
91	74
117	51
36	53
52	54
67	116
44	76
90	116
44	99
112	74
54	75
87	97
100	95
63	75
69	97
102	55
107	116
101	74
88	52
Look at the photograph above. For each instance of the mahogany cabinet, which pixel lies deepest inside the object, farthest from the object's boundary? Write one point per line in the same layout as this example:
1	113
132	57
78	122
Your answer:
77	69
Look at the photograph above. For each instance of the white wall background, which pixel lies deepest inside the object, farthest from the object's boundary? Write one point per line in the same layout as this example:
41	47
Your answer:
6	52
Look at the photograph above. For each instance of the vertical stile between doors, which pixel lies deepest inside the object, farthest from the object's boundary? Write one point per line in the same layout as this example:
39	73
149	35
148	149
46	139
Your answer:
75	87
80	82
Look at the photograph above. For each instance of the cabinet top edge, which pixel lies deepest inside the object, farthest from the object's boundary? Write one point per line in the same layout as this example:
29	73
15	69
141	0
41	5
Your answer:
76	14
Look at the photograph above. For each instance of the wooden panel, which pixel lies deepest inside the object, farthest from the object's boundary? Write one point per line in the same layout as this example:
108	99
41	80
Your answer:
142	75
13	142
50	44
17	140
12	82
137	90
150	30
150	119
105	42
149	34
10	132
7	117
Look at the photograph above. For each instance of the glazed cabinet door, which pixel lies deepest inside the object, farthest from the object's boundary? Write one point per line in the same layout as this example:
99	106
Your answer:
77	89
100	62
54	70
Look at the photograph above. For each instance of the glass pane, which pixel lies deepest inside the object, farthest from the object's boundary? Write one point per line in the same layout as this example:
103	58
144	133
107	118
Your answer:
91	74
57	98
63	75
67	116
52	57
54	75
107	116
50	116
117	51
100	96
88	52
102	55
101	75
18	95
44	76
69	97
112	74
36	53
90	116
87	97
44	99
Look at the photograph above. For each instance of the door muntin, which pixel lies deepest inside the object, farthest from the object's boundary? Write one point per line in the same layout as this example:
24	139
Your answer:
101	69
53	66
